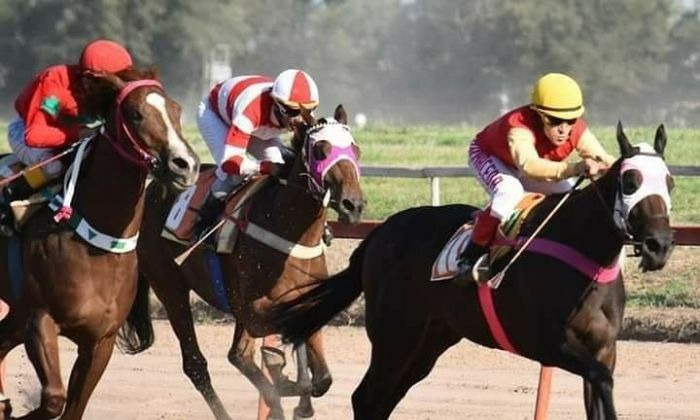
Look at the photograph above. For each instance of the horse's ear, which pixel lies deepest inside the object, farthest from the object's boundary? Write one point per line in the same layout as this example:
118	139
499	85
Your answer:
660	140
626	149
340	115
152	73
108	80
307	117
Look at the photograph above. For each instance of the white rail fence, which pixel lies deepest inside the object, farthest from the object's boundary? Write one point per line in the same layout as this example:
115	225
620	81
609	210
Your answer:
434	173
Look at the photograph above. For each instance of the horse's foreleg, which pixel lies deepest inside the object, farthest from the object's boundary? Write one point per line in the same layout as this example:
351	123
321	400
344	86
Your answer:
579	360
322	379
177	306
595	402
87	371
11	335
242	356
42	349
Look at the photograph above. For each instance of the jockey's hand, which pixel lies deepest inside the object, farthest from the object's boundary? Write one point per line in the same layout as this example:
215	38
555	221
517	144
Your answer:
271	168
593	168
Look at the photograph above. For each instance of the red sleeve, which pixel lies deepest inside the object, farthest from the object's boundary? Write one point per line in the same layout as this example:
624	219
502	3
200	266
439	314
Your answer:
42	128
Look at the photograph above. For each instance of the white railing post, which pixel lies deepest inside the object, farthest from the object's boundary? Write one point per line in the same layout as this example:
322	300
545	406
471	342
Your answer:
435	190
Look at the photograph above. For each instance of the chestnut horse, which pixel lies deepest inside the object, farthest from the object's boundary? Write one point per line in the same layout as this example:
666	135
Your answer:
260	269
80	276
552	308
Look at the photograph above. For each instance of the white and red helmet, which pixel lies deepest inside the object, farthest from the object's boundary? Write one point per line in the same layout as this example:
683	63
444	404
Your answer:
295	89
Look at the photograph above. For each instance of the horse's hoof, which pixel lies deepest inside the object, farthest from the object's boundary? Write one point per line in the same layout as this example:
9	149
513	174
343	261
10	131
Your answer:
287	388
300	415
321	386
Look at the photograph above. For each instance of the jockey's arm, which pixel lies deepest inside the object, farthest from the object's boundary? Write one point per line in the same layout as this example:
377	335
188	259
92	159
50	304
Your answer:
42	126
522	148
590	147
237	162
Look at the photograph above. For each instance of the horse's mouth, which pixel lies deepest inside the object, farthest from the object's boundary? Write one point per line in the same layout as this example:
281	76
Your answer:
652	261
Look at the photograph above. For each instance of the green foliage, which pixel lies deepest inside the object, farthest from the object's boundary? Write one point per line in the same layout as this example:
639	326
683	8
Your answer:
395	60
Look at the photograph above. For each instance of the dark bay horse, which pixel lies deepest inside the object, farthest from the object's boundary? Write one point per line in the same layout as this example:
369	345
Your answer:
260	268
80	277
550	311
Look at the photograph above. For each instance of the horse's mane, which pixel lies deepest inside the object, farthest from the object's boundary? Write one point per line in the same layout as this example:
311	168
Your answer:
131	73
574	203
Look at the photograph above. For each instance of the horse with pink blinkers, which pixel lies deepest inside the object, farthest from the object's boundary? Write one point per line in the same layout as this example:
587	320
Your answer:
281	249
79	261
561	303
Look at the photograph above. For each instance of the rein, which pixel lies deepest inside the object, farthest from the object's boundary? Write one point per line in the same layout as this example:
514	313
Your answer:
124	142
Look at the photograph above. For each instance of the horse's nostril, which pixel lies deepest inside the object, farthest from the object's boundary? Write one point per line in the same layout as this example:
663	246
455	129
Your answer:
348	205
652	245
180	163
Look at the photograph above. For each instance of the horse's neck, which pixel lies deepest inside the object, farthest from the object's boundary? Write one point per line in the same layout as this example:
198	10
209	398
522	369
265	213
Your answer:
296	214
586	222
110	193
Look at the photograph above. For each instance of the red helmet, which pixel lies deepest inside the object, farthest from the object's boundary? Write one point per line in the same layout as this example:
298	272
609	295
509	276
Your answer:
104	56
295	89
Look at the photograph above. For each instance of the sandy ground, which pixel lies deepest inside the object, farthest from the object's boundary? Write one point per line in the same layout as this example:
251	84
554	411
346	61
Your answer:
653	381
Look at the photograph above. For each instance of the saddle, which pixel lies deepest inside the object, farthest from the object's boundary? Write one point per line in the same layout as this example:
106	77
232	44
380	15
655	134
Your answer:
446	264
184	214
23	209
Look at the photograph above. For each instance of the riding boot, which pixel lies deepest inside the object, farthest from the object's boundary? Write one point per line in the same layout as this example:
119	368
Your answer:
19	189
210	210
473	261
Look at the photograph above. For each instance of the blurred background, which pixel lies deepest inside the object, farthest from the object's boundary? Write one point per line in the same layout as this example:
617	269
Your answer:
395	61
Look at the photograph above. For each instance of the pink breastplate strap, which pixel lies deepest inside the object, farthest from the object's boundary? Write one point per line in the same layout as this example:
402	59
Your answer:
564	253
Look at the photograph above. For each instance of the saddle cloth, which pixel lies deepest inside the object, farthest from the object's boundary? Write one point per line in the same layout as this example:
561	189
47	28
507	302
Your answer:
445	265
184	214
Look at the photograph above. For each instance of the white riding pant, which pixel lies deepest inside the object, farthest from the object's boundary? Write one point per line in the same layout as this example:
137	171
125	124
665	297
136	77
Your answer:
214	131
505	185
31	155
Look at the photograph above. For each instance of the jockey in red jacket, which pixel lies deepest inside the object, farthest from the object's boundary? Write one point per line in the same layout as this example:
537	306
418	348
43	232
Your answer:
241	120
56	109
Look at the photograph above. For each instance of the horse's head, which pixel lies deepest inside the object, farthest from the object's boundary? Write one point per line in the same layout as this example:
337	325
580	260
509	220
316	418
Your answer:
330	163
144	127
643	203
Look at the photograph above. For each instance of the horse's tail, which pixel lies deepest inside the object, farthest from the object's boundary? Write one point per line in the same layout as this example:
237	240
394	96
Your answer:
298	319
136	335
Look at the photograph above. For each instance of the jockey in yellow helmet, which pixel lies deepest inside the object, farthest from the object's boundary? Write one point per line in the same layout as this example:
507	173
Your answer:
526	150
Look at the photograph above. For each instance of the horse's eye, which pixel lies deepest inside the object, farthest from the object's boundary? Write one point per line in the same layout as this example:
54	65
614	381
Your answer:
631	180
321	150
670	184
134	115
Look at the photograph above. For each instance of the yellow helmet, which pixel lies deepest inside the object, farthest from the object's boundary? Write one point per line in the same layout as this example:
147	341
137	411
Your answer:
559	96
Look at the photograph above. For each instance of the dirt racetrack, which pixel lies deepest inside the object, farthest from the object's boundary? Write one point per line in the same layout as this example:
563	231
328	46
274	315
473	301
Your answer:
653	381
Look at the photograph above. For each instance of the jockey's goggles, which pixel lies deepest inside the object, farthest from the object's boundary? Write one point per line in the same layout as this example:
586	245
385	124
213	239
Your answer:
556	122
293	109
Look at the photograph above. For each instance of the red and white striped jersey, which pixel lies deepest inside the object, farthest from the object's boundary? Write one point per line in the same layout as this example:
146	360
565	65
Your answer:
245	105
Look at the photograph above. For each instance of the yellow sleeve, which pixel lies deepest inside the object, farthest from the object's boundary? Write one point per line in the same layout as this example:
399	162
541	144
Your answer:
522	148
590	147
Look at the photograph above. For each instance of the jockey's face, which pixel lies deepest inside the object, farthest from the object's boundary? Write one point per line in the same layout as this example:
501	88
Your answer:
557	130
288	117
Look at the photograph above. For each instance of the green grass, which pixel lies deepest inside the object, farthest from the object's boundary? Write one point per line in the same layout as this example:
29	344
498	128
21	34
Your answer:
420	146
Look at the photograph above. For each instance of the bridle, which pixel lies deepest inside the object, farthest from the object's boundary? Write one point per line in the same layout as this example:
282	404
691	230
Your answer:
124	141
651	185
342	148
